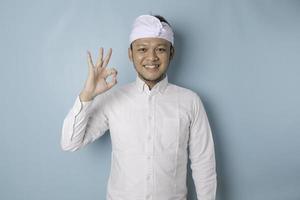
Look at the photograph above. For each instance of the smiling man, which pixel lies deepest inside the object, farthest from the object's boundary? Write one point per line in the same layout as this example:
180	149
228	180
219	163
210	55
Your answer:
153	124
151	58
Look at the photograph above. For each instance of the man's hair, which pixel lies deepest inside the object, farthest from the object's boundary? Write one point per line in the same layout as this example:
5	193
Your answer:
161	19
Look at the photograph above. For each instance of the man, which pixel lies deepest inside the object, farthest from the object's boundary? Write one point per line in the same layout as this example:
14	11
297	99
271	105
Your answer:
152	123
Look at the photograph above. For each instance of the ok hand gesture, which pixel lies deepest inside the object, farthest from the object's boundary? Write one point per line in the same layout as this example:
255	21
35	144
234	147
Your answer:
96	82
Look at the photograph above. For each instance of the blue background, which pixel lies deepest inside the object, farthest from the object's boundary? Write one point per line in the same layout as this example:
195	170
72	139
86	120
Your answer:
241	57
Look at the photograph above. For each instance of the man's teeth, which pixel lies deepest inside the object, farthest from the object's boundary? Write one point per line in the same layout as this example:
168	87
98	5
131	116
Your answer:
151	66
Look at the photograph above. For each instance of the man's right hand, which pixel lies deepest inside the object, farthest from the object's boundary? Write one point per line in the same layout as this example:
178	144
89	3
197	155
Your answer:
96	82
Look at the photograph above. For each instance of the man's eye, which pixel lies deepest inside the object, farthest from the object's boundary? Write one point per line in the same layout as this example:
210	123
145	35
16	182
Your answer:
161	49
142	49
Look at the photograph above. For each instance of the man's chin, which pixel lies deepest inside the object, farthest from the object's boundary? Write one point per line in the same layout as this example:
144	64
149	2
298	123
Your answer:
152	79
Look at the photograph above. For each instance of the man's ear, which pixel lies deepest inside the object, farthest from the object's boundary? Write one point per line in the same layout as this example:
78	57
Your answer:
172	52
130	54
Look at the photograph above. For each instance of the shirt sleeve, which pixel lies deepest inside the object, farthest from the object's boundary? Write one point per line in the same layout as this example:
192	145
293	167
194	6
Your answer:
201	153
84	123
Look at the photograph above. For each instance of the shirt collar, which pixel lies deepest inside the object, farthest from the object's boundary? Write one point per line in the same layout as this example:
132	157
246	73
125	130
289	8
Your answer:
160	86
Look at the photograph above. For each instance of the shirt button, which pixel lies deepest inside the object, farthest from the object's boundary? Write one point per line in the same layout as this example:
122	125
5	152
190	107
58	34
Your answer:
148	157
149	138
148	177
148	196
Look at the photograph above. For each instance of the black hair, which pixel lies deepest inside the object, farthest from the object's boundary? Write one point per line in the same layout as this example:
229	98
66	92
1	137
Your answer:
161	19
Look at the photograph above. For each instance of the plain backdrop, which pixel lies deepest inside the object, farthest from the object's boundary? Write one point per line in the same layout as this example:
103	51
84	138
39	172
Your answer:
240	56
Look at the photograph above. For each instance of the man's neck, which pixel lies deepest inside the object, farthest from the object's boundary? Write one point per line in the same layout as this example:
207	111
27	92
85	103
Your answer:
151	83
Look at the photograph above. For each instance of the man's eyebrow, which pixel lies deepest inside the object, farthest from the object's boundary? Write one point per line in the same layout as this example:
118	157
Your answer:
162	44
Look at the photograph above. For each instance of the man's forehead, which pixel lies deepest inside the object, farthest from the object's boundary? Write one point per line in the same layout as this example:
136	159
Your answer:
151	41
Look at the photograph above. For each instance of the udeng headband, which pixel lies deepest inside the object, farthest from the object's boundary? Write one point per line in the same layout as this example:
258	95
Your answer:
146	26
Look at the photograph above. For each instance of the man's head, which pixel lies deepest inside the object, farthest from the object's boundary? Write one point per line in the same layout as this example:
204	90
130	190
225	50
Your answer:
151	48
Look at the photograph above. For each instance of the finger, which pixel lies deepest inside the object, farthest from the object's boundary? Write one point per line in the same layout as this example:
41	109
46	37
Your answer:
90	61
113	71
110	71
107	58
100	58
112	82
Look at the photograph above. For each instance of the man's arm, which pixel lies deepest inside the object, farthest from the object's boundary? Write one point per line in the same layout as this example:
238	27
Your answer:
201	153
85	123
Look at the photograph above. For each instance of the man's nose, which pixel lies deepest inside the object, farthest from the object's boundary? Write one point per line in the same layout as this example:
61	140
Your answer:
152	55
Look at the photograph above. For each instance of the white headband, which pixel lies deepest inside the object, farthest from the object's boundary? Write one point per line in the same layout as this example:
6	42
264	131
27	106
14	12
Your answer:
149	26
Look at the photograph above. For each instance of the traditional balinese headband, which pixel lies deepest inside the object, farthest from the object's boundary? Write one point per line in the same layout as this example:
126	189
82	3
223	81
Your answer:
149	26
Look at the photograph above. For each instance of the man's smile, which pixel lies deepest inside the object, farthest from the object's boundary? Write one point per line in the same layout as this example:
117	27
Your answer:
151	66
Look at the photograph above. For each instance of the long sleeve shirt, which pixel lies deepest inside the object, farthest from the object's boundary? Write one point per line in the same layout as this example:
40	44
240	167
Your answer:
153	132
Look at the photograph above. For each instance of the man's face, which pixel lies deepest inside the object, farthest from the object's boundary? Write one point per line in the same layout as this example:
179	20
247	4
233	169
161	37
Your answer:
151	58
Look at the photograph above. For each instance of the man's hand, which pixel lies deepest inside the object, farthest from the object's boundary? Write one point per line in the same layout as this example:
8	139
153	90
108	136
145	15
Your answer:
96	82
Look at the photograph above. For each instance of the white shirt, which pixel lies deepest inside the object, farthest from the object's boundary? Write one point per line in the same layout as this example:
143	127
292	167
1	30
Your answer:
151	132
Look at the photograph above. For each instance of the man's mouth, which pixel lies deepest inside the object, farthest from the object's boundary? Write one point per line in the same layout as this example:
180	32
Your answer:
151	66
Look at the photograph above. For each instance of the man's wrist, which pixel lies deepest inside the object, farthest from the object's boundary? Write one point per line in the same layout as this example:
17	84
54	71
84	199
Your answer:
85	96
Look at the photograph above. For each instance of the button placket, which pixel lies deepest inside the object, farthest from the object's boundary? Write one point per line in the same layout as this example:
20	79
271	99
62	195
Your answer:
149	142
151	124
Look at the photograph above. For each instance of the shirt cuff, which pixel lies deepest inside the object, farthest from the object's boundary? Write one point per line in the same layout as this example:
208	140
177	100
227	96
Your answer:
80	106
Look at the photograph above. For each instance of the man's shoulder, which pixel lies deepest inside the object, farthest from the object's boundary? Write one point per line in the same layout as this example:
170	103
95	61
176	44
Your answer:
188	97
183	91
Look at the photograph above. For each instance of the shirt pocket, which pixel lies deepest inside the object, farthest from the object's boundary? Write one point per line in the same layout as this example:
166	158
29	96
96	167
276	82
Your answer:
169	132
